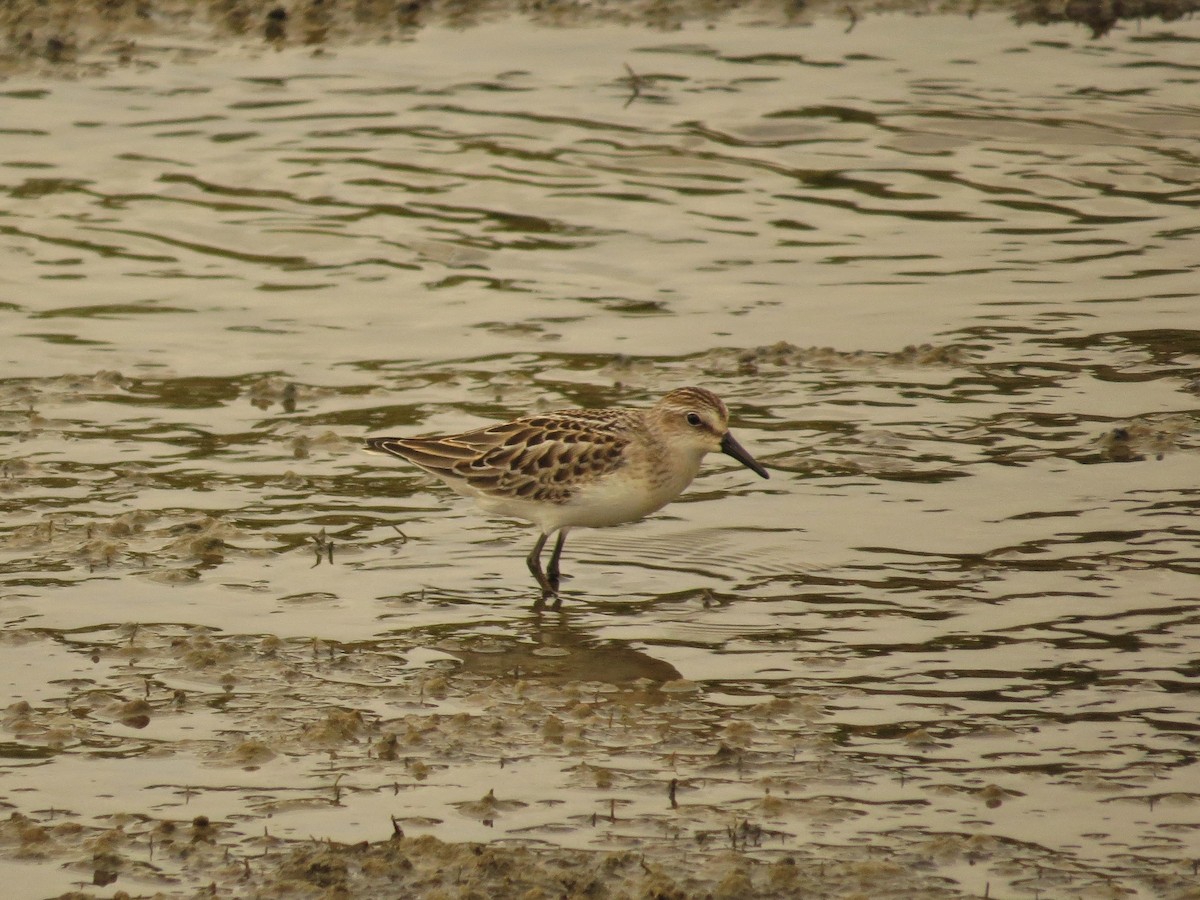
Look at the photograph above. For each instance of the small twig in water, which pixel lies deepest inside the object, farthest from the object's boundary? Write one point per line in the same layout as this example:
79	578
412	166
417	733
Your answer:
324	545
635	85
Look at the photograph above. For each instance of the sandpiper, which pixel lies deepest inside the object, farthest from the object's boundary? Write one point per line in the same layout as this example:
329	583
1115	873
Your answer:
587	468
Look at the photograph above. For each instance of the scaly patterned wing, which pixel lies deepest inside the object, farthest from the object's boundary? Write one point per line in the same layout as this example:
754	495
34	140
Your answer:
540	458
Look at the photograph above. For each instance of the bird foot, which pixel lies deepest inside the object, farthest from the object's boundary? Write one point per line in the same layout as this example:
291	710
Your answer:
549	586
540	603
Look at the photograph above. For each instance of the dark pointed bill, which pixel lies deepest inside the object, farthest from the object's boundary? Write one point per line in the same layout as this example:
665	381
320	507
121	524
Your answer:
730	446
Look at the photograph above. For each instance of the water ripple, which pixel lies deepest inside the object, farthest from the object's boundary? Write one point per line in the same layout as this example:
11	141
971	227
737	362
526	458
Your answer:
950	306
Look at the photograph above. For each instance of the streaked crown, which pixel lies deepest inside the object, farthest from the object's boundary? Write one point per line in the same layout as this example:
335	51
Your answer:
698	400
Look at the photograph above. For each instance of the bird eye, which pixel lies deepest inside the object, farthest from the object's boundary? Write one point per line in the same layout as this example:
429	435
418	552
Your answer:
694	419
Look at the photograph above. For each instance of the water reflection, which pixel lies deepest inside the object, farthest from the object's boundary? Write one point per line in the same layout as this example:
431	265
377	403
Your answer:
946	295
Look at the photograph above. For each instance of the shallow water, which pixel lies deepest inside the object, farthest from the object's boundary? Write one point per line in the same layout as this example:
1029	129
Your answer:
942	270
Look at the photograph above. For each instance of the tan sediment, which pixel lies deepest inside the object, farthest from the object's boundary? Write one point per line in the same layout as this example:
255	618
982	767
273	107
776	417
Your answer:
62	38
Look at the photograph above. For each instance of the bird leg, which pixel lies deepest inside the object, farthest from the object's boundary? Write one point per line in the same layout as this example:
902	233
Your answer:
548	580
534	561
552	573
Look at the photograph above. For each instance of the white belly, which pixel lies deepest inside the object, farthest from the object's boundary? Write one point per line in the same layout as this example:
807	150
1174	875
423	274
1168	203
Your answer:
620	497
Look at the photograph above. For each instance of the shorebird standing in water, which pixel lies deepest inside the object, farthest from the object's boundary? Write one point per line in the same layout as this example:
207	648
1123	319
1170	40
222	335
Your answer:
578	468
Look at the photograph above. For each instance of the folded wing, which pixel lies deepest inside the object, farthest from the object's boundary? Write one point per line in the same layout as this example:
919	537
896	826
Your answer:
540	458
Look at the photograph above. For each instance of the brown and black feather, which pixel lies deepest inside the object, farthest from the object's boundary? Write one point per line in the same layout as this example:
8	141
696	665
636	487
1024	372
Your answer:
543	458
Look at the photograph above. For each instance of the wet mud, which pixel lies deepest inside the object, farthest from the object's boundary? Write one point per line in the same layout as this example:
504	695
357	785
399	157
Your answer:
687	794
546	734
65	38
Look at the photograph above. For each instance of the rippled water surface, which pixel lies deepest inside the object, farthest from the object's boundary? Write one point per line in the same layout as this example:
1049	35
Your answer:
943	271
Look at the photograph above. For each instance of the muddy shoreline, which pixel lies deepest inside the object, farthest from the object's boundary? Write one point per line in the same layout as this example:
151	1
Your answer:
62	38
